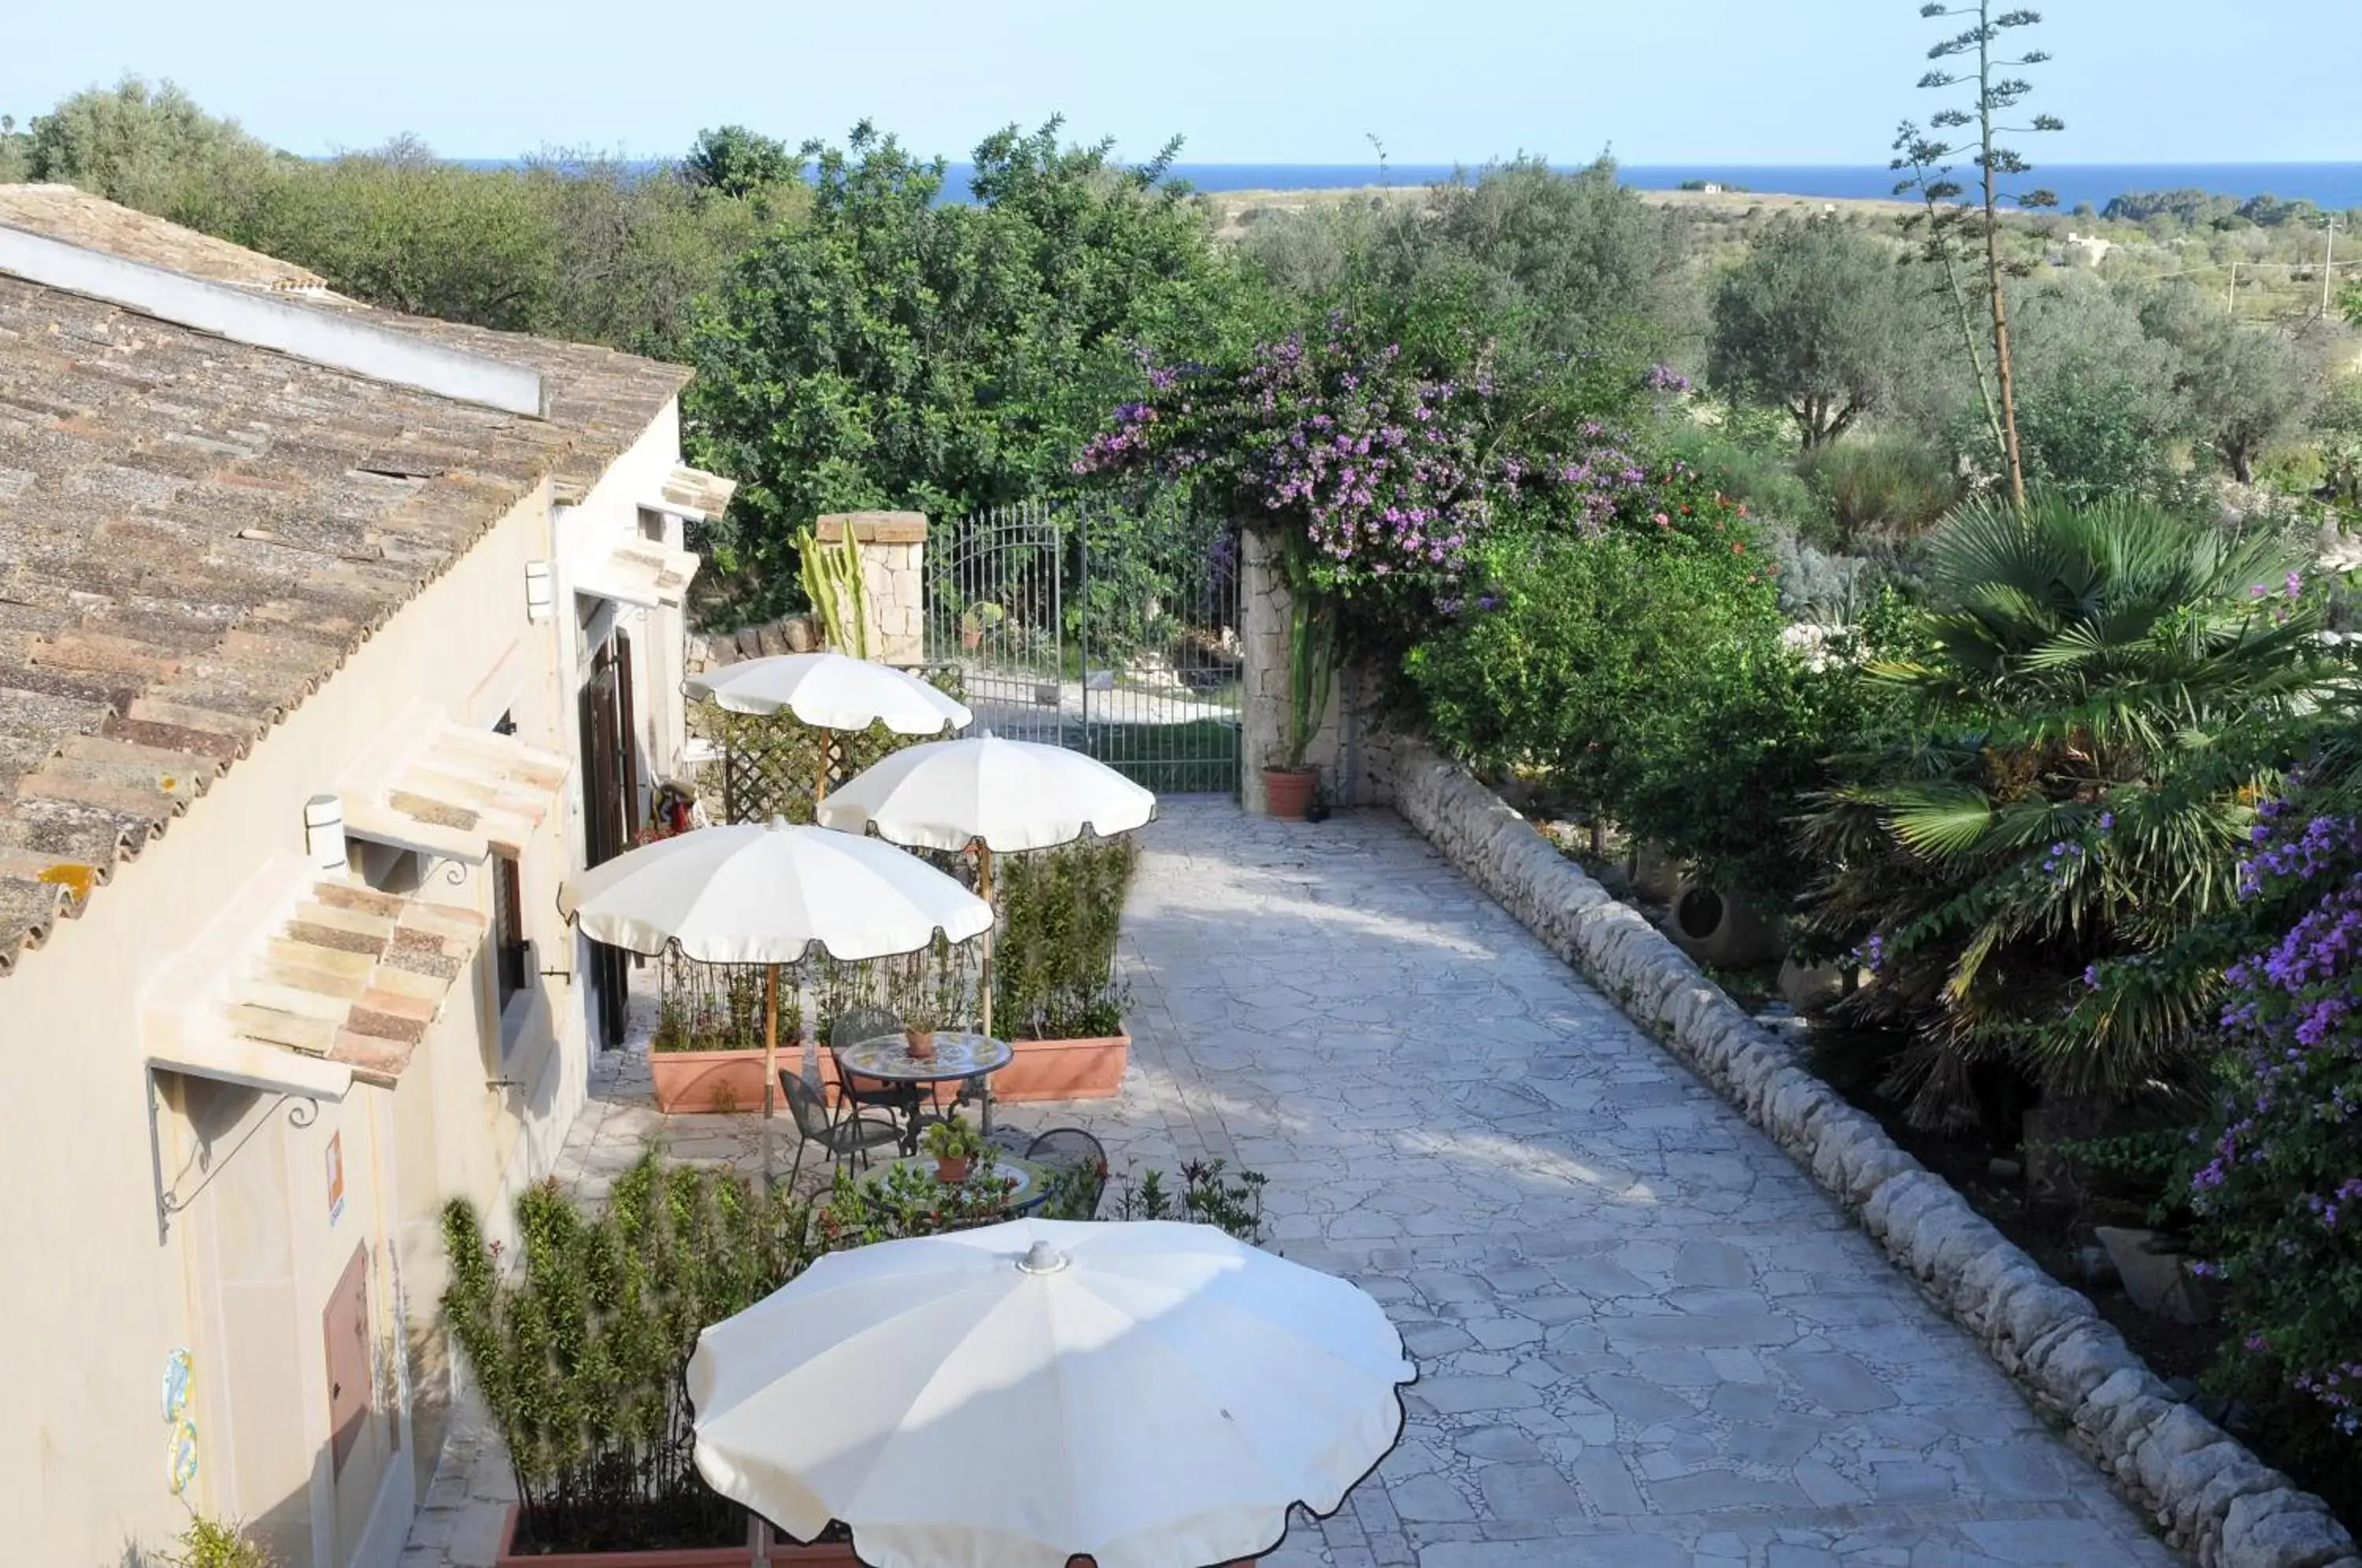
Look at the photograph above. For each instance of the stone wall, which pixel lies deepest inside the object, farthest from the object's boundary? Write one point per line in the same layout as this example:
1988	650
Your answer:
2207	1493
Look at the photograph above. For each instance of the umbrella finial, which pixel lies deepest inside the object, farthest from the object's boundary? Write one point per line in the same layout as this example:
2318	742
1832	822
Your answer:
1042	1258
777	823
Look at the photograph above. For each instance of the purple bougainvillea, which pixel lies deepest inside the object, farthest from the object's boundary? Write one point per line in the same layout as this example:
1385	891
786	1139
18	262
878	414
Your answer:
2280	1195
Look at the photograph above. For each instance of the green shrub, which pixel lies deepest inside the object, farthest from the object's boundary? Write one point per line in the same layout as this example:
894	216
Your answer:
718	1007
1644	673
1756	467
212	1543
1054	960
581	1349
579	1354
1880	485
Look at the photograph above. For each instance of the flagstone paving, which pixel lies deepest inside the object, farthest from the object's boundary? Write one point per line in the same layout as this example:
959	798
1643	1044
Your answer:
1645	1338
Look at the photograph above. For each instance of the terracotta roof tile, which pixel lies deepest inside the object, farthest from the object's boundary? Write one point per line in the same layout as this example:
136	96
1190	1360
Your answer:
194	533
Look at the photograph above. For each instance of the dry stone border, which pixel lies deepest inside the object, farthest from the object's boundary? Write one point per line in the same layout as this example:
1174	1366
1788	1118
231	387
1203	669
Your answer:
2206	1491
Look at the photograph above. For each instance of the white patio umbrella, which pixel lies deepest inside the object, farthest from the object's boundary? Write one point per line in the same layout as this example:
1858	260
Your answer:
833	692
1150	1393
990	793
766	894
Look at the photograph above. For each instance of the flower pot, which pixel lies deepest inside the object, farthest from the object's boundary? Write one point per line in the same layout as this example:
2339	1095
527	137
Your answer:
704	1081
1287	792
971	637
921	1043
952	1171
737	1556
1063	1069
1714	930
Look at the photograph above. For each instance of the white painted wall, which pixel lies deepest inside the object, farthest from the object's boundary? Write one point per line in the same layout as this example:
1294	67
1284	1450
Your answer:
97	1293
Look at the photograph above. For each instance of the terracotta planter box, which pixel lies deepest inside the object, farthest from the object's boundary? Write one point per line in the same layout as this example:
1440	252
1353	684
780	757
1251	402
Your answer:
664	1557
1063	1069
708	1080
829	1554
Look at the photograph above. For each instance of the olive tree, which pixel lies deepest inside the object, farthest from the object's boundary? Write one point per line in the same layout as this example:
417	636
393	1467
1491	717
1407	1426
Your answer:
150	147
2242	383
1814	319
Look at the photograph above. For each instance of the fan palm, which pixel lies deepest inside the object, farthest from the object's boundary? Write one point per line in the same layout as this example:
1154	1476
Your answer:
2096	701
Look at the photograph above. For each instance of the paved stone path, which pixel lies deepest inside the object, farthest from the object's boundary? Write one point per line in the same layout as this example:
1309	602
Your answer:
1645	1337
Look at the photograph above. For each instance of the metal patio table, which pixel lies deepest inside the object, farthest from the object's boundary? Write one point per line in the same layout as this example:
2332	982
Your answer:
1034	1181
960	1057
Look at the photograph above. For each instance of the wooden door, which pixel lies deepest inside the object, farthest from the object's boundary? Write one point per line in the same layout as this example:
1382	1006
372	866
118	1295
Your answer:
345	1325
610	803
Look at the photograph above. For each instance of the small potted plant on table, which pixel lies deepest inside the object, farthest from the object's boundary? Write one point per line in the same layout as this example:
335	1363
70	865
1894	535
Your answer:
957	1146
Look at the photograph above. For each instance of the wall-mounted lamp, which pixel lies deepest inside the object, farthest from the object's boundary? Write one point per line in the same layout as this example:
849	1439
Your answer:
324	833
538	592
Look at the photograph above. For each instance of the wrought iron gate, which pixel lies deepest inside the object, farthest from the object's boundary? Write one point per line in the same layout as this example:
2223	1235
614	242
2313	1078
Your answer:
1108	630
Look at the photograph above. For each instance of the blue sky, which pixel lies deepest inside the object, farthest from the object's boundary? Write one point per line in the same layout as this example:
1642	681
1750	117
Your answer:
1245	81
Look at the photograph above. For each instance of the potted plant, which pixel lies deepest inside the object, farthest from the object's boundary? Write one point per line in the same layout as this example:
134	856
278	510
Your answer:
957	1145
1055	994
1289	786
975	621
706	1054
928	991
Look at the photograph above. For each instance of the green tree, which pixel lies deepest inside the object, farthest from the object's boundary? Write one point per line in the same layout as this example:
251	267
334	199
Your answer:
738	162
1570	279
151	147
16	151
633	252
2069	801
895	350
1949	231
2098	410
398	228
1814	320
2243	383
1644	672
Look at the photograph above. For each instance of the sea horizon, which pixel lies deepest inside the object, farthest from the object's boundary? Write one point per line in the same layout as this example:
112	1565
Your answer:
2336	185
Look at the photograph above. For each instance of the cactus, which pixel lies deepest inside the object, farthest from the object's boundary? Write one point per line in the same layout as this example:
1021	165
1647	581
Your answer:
831	579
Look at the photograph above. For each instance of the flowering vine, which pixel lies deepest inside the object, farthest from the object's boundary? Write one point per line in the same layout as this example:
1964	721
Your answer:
2280	1195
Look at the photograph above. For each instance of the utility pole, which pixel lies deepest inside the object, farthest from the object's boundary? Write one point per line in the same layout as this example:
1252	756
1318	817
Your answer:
2230	296
2328	255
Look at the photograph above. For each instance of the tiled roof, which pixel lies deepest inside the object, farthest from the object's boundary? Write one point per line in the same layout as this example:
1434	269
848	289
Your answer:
354	975
194	533
76	217
458	792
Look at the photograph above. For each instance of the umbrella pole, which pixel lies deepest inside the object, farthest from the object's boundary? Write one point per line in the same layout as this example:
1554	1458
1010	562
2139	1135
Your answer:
984	891
820	783
771	1063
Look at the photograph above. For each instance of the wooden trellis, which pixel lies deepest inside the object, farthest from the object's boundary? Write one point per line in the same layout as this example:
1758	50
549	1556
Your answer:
769	764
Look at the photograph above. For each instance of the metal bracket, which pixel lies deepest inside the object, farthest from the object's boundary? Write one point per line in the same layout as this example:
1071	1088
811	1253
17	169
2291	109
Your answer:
564	975
303	1111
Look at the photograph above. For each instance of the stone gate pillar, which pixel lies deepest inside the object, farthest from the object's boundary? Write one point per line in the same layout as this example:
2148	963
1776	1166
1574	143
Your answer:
893	547
1263	675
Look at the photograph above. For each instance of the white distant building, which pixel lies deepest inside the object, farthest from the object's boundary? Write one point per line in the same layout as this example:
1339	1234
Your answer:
2087	249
